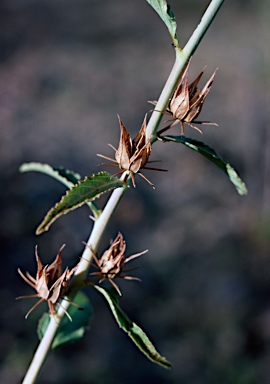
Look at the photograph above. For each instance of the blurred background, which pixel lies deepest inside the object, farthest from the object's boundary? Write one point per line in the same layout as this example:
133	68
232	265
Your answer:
66	69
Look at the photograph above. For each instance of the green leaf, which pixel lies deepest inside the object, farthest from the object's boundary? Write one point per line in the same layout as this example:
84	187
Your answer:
211	155
166	14
65	176
133	330
69	331
87	190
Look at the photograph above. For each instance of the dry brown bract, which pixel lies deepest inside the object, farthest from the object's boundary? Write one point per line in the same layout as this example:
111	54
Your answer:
132	155
51	283
111	263
187	102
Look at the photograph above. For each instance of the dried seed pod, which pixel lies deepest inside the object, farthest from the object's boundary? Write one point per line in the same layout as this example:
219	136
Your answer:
132	155
111	264
51	282
187	102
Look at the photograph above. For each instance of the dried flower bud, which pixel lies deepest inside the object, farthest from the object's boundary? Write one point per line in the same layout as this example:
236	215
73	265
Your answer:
187	102
111	263
51	283
132	155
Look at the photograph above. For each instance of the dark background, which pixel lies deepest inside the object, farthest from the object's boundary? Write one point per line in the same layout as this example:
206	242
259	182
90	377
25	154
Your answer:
66	69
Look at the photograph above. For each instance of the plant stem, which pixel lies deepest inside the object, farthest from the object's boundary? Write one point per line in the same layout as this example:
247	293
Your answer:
182	57
181	60
96	234
81	272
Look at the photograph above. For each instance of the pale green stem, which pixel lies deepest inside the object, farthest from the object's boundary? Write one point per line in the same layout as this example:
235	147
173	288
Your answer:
81	272
182	57
181	60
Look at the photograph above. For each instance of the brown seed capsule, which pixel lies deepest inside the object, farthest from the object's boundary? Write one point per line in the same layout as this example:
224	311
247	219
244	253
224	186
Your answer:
132	155
187	102
111	264
51	283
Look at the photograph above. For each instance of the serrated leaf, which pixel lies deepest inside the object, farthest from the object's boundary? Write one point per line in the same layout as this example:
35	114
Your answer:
166	14
65	176
87	190
69	331
137	335
213	156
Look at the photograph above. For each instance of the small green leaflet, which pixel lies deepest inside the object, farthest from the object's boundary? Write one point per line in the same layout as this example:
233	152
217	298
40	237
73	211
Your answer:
211	155
87	190
69	331
134	331
166	14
